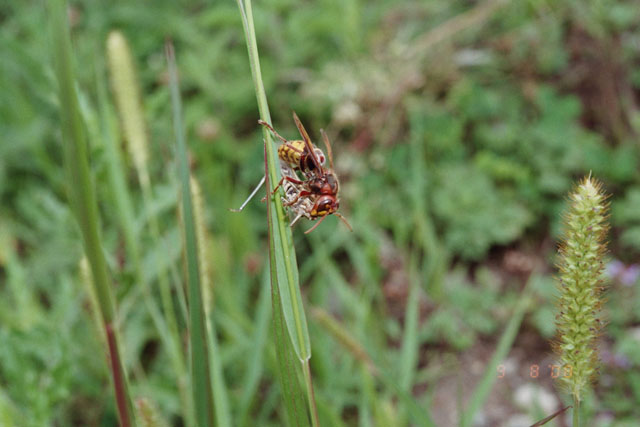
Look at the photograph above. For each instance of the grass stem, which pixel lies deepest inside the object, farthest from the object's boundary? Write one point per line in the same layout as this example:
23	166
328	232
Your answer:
312	401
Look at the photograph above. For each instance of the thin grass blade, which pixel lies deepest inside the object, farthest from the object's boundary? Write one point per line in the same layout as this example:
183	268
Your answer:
220	395
481	392
125	86
288	366
286	271
417	415
410	339
200	369
287	299
255	361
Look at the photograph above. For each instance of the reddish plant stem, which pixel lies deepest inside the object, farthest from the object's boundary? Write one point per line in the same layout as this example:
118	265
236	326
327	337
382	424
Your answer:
119	383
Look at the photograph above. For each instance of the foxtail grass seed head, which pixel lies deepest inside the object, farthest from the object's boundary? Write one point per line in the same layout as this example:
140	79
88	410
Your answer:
203	239
126	90
580	283
148	414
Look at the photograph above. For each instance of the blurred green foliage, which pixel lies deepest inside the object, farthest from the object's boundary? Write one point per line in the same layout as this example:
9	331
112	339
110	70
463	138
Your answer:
459	150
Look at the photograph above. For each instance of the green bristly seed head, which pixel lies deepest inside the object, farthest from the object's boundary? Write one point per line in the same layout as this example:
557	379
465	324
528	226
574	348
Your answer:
581	266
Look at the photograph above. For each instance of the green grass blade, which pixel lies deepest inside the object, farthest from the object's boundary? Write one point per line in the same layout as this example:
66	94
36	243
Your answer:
481	392
126	91
287	364
410	342
282	256
286	271
83	200
116	173
200	369
218	385
343	337
220	395
255	361
417	415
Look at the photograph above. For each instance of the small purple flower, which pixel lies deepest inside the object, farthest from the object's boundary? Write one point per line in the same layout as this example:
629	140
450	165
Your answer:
621	361
630	275
626	275
616	360
614	268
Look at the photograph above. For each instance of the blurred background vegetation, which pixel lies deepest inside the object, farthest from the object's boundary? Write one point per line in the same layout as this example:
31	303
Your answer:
458	127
